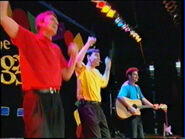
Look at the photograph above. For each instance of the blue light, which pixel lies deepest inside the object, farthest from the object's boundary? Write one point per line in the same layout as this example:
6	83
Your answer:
117	20
120	24
5	111
20	112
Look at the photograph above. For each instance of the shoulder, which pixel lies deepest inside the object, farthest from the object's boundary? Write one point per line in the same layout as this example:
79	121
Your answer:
125	84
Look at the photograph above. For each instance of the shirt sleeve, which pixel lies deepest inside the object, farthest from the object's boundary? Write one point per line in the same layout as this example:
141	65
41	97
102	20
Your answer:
123	92
140	93
23	37
78	71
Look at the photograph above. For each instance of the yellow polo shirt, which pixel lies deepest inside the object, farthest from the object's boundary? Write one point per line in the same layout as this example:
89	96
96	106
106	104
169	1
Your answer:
89	83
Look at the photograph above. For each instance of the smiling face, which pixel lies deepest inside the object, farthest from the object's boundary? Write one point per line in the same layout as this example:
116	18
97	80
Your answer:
47	22
133	77
94	59
50	24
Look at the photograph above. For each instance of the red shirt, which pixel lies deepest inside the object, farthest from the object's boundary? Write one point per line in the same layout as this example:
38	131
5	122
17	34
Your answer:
41	61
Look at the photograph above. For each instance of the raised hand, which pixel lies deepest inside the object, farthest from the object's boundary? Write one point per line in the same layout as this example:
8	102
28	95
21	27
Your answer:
91	40
108	62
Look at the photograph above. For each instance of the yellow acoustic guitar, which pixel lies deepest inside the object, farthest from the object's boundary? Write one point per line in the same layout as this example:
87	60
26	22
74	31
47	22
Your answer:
124	113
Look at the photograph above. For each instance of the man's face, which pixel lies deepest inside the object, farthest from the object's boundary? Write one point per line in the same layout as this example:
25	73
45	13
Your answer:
50	24
134	76
94	58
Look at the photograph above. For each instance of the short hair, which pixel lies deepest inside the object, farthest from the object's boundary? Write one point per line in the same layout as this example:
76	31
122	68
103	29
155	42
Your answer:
92	50
41	17
130	70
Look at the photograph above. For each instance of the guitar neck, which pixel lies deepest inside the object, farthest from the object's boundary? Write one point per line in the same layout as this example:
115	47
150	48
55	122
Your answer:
144	107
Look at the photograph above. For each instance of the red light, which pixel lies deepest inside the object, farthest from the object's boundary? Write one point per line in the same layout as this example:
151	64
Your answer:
100	4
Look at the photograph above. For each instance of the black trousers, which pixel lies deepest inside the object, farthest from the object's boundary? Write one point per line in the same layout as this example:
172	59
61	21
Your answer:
135	127
43	115
94	123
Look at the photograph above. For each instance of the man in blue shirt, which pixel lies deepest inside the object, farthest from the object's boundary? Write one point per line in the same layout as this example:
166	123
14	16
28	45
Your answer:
131	90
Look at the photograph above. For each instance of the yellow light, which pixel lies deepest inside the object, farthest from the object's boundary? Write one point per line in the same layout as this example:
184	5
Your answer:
131	33
111	13
139	39
105	9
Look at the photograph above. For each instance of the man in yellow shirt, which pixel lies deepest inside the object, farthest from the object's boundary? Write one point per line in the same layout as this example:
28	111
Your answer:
89	84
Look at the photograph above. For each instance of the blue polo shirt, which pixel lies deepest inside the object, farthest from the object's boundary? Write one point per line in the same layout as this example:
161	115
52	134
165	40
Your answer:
130	91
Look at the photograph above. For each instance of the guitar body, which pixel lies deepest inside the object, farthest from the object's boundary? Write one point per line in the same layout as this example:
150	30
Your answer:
122	111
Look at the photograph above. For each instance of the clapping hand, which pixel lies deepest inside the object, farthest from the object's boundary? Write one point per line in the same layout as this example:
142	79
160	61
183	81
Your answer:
72	49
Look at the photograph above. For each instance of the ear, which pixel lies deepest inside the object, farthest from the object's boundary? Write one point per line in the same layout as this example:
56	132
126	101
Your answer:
41	22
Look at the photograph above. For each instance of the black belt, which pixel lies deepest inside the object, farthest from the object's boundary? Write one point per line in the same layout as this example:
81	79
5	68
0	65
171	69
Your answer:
48	91
82	102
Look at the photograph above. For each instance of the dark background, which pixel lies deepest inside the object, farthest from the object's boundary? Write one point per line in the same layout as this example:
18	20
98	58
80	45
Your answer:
162	46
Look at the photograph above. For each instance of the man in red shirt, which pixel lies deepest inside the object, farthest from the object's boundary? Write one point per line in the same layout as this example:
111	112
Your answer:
43	67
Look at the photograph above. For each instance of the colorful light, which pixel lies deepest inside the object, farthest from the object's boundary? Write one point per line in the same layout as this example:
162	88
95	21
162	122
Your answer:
138	40
111	13
120	24
100	4
117	20
105	9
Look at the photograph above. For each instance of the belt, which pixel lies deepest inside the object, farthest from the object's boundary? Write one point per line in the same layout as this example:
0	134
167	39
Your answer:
82	101
48	91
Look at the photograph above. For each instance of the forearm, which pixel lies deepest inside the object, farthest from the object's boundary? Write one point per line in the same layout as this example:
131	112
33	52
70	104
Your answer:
8	24
106	74
68	72
123	101
82	53
146	102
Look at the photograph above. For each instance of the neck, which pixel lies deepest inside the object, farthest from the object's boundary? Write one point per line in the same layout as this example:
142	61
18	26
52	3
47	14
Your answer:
90	65
131	82
45	34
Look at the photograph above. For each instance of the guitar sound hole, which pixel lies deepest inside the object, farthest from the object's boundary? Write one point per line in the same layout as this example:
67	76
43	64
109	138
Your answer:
135	106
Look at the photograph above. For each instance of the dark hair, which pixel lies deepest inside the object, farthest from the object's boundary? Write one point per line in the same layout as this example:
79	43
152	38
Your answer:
130	70
92	50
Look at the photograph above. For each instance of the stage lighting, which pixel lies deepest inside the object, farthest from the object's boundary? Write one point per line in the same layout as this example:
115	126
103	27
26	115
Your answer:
20	112
120	24
5	111
124	26
139	39
117	20
151	69
127	29
111	13
178	67
100	4
105	9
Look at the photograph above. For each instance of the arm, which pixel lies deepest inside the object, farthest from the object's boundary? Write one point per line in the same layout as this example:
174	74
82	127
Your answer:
8	24
68	71
129	107
81	54
147	102
106	74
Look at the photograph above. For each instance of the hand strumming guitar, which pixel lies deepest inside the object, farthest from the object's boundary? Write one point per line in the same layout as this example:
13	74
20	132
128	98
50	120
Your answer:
132	110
